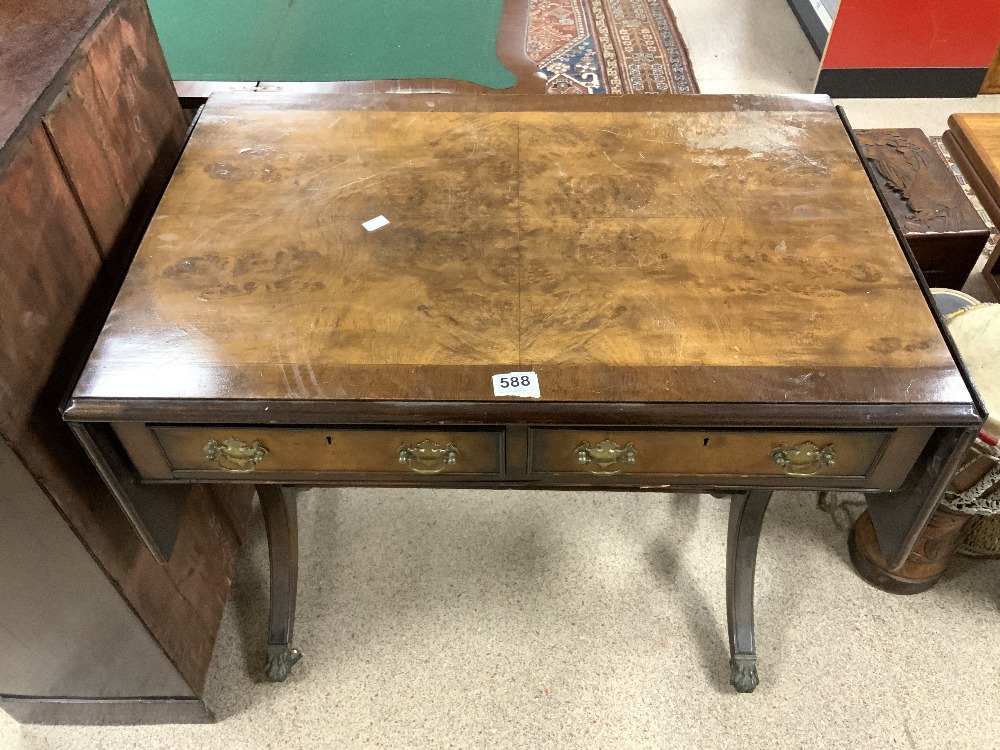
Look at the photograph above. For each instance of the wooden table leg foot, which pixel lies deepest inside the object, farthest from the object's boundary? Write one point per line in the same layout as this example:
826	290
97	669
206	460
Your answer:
746	516
743	672
280	660
281	522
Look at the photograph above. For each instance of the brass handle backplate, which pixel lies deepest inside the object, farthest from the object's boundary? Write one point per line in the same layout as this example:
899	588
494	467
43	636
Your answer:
234	455
427	457
607	457
803	459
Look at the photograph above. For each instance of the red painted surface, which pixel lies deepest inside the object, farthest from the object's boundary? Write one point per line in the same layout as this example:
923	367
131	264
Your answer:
914	34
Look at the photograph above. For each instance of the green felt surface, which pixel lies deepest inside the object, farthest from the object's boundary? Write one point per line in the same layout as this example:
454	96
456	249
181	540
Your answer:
217	40
331	40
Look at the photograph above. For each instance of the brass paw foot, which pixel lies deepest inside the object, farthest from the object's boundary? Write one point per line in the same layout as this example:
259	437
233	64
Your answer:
743	672
280	660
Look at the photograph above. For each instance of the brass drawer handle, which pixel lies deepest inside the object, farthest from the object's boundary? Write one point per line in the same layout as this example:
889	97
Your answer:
234	455
607	457
803	459
427	457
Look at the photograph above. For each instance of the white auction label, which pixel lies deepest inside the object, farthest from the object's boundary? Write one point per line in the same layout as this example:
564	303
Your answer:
377	223
523	384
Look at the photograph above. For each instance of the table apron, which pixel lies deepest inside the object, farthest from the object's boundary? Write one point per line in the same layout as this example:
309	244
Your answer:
520	456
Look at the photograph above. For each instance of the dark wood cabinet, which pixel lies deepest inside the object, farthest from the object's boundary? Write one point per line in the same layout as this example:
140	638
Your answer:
93	626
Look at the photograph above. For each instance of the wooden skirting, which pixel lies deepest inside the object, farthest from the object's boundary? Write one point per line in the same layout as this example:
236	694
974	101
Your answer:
90	712
845	83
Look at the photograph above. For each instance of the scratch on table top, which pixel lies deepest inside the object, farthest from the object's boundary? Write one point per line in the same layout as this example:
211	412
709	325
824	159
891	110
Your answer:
248	209
556	311
215	223
318	389
298	379
658	310
617	165
360	180
288	386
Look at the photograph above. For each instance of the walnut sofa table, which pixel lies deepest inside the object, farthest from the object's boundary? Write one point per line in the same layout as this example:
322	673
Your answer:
707	289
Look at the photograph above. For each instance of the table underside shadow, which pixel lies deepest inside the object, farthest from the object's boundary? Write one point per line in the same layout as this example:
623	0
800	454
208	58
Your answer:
745	519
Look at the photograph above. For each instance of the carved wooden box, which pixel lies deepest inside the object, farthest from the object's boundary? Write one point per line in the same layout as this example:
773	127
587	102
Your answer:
943	229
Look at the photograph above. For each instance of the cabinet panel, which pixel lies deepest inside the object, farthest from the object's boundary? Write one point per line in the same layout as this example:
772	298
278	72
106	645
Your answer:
68	631
47	268
118	127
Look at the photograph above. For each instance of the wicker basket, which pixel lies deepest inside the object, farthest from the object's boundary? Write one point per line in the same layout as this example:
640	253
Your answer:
982	537
981	500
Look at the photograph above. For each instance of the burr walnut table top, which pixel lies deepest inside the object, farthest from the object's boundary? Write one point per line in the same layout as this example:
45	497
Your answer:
713	249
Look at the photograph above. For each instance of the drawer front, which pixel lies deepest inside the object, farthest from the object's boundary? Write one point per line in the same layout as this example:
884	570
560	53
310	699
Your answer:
236	451
709	453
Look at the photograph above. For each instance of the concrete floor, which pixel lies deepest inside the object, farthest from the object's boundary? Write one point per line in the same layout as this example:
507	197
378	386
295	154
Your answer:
571	620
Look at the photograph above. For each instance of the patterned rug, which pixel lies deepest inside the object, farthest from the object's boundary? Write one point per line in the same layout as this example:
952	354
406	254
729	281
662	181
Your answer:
609	47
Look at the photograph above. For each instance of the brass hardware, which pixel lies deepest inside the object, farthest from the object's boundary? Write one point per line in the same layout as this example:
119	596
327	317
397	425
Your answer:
803	459
427	457
607	455
234	455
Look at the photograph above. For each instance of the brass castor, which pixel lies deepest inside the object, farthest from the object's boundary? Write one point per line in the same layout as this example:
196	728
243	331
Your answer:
280	660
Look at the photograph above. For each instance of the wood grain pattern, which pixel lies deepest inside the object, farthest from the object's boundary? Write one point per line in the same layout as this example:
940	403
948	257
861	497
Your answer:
49	289
85	150
36	39
623	256
974	142
118	126
45	282
979	136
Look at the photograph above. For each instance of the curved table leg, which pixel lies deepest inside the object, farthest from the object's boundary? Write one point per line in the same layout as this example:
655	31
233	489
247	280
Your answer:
281	522
746	514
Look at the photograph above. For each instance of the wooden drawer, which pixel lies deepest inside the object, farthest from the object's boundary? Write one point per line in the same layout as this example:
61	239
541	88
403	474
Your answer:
307	451
714	453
